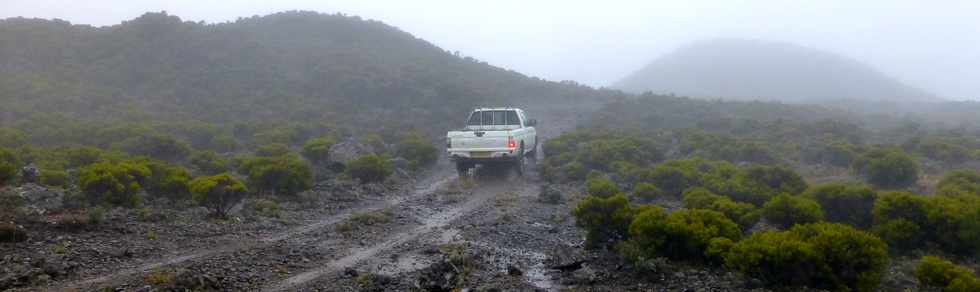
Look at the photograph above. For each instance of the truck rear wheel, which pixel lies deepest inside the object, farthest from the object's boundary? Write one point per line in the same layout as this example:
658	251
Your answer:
519	162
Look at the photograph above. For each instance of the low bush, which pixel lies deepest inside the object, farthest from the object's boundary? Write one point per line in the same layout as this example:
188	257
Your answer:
267	208
285	175
684	234
786	210
936	272
363	219
888	168
647	191
8	166
218	192
900	217
909	221
159	146
115	184
954	223
272	150
166	180
671	179
549	195
959	183
209	162
841	203
368	168
745	214
317	150
420	153
820	255
605	220
57	178
96	215
601	186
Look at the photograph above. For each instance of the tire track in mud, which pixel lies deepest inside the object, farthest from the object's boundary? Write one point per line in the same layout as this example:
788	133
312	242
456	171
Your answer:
430	224
427	186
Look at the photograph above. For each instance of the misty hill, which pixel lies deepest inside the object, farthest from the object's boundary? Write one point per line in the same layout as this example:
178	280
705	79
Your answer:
750	70
291	66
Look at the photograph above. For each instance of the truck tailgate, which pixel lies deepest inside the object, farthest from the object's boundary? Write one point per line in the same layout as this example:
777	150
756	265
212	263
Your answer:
478	140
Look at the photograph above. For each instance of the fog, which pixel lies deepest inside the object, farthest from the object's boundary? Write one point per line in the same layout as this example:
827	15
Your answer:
928	45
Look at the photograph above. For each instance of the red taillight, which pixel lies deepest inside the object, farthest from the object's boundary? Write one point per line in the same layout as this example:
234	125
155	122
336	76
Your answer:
511	143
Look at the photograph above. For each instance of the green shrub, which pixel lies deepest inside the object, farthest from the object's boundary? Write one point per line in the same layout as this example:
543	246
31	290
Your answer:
281	175
849	204
647	191
83	156
10	205
820	255
166	180
889	168
223	143
96	215
549	195
272	150
954	223
267	208
575	170
936	272
8	166
113	183
368	168
601	186
364	219
159	146
605	220
317	150
745	214
209	162
683	234
672	180
900	217
786	210
779	179
219	192
718	247
418	151
959	183
54	178
12	138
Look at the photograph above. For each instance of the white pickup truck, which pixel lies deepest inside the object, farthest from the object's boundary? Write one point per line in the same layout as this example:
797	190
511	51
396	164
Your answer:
493	135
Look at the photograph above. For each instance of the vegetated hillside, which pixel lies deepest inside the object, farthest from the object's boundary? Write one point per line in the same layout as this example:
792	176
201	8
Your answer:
718	184
285	67
750	70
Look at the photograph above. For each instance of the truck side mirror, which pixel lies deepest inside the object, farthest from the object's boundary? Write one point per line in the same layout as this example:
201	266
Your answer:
532	122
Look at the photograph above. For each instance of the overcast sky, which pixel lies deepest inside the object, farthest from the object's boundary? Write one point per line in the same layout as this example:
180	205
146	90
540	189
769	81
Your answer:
934	45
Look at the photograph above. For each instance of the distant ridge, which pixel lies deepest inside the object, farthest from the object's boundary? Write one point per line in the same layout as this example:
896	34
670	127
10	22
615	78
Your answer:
740	69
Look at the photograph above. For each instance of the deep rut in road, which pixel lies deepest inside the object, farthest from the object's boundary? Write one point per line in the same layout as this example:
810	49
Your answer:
429	224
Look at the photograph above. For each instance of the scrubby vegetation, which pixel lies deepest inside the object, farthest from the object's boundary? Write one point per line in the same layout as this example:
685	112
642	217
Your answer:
685	234
369	168
939	273
820	255
841	203
785	210
219	192
748	162
606	220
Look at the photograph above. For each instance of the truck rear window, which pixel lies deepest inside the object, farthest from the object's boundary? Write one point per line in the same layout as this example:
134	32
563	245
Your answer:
489	118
